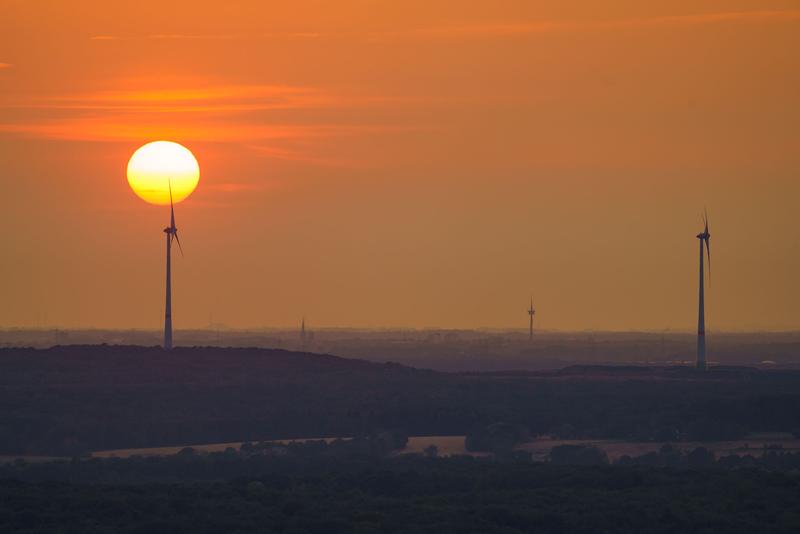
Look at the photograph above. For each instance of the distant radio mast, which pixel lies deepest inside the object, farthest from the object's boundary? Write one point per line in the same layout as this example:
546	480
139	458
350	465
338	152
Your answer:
531	312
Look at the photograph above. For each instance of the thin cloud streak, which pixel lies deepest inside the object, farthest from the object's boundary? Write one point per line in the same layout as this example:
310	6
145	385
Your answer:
228	99
547	26
220	99
119	129
273	152
221	37
237	187
499	29
182	36
222	113
5	65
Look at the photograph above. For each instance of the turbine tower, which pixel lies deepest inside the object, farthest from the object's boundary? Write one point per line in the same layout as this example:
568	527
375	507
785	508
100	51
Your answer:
703	237
171	233
531	312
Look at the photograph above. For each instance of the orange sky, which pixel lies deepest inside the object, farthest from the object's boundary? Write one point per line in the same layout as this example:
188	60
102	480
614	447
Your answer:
404	164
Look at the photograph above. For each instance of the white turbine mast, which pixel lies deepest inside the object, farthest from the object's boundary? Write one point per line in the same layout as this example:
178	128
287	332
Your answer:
704	238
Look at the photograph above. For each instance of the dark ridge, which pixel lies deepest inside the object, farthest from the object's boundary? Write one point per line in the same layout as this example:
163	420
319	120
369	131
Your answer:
675	370
131	364
69	400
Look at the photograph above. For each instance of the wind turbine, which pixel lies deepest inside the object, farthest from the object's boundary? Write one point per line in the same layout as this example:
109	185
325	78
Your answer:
531	312
704	237
172	233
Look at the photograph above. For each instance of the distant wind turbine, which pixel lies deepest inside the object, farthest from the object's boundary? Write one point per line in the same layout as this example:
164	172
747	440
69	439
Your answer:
704	237
531	312
172	233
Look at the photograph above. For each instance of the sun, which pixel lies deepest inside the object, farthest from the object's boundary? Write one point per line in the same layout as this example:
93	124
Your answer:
157	165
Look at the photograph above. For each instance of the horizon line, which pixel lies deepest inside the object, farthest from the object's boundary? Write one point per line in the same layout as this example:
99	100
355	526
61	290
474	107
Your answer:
508	330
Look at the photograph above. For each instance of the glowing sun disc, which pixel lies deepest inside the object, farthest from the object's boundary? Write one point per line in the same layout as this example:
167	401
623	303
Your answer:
154	166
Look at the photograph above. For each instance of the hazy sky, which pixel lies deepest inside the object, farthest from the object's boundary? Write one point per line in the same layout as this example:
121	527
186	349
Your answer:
417	163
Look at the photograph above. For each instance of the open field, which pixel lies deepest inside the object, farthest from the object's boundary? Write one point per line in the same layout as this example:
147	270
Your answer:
204	448
753	445
447	446
540	447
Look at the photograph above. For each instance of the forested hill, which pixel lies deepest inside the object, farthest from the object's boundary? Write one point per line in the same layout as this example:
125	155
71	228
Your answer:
74	399
136	365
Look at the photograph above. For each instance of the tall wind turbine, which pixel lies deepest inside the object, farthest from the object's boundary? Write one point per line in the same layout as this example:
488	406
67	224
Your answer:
704	237
531	312
172	233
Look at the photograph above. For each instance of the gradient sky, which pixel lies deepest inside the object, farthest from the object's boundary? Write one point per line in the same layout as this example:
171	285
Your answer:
410	164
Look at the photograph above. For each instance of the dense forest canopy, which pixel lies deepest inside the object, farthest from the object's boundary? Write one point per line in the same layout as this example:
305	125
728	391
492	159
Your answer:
317	493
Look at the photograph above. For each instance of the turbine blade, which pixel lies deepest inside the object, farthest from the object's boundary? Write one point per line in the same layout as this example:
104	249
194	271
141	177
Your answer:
708	251
171	207
175	236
